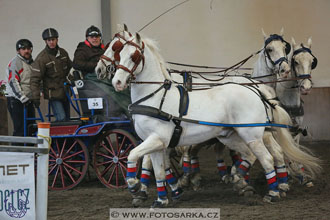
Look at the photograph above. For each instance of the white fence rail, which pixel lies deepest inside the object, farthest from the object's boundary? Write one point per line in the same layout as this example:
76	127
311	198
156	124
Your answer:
42	149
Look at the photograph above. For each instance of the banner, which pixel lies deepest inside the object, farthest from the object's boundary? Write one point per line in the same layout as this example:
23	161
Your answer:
17	188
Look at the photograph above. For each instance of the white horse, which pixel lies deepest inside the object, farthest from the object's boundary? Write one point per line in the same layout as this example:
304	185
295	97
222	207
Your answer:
147	60
272	65
289	94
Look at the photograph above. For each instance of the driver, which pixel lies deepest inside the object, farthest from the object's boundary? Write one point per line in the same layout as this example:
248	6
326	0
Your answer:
89	52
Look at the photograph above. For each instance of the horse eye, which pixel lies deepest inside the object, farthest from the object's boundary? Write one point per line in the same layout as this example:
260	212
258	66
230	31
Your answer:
269	50
296	63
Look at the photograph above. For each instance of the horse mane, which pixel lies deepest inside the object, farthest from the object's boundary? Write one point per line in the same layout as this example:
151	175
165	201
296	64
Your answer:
154	48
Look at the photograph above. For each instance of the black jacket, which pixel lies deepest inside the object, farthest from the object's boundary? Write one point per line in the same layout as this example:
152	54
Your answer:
86	57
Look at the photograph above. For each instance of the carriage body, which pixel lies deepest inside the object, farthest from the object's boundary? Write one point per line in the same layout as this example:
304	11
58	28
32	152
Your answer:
93	138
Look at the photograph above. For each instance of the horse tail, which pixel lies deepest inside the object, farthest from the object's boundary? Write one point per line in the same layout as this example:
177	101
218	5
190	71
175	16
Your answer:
293	151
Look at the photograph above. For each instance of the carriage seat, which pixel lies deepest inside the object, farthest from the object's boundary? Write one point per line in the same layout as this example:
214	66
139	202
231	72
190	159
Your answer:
92	89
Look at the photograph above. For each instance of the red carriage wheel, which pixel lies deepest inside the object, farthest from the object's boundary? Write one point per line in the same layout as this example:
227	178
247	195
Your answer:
68	163
110	157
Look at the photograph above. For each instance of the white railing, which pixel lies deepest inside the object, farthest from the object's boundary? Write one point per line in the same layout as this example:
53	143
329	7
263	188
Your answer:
42	149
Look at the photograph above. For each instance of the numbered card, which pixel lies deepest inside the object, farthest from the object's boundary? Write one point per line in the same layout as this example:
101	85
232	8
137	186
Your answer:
95	103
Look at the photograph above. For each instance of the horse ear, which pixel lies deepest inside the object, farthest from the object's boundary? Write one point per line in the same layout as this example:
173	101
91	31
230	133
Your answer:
120	27
309	43
282	31
263	33
125	27
294	44
138	38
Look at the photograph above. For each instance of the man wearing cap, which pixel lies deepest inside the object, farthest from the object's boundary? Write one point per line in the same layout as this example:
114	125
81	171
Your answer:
88	52
85	59
18	90
50	69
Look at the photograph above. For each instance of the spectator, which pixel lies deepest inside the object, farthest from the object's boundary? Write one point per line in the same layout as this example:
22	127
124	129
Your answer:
18	87
51	67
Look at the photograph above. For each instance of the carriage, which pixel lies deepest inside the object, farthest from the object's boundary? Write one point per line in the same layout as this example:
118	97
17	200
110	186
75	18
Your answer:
98	137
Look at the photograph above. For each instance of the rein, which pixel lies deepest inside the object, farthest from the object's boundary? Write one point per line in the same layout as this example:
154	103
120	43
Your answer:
220	84
223	70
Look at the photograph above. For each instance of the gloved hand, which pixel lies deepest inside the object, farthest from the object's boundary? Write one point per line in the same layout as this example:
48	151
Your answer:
27	103
36	103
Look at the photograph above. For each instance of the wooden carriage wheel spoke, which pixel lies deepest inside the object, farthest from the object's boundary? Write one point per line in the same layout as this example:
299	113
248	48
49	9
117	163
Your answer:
110	144
70	148
69	174
52	169
58	148
123	158
72	155
110	178
106	169
128	148
103	163
107	149
72	168
54	154
122	171
51	155
76	161
122	165
62	176
55	177
63	146
104	155
122	144
117	178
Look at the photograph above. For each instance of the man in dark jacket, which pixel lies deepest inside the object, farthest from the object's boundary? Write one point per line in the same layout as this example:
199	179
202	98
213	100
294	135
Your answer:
85	59
51	67
89	52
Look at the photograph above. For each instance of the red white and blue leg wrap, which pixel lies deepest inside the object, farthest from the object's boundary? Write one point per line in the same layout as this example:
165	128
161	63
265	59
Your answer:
271	180
247	177
145	177
235	158
170	178
195	165
244	168
222	168
282	174
131	170
161	188
186	165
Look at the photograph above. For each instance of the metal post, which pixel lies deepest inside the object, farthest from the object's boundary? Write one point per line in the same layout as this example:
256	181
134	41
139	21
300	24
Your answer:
42	173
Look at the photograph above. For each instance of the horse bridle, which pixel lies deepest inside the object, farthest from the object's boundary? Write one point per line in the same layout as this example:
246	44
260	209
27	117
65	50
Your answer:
117	47
303	76
279	61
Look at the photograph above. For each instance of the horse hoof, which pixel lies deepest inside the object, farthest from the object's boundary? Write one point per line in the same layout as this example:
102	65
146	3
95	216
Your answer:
137	202
271	198
140	195
159	204
282	194
246	191
135	188
226	179
309	184
184	181
176	195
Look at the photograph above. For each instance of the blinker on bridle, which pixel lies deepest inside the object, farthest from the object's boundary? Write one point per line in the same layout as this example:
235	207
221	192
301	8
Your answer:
271	38
136	57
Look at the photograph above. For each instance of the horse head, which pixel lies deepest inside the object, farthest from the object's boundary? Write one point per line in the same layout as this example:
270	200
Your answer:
131	62
302	64
276	51
108	62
